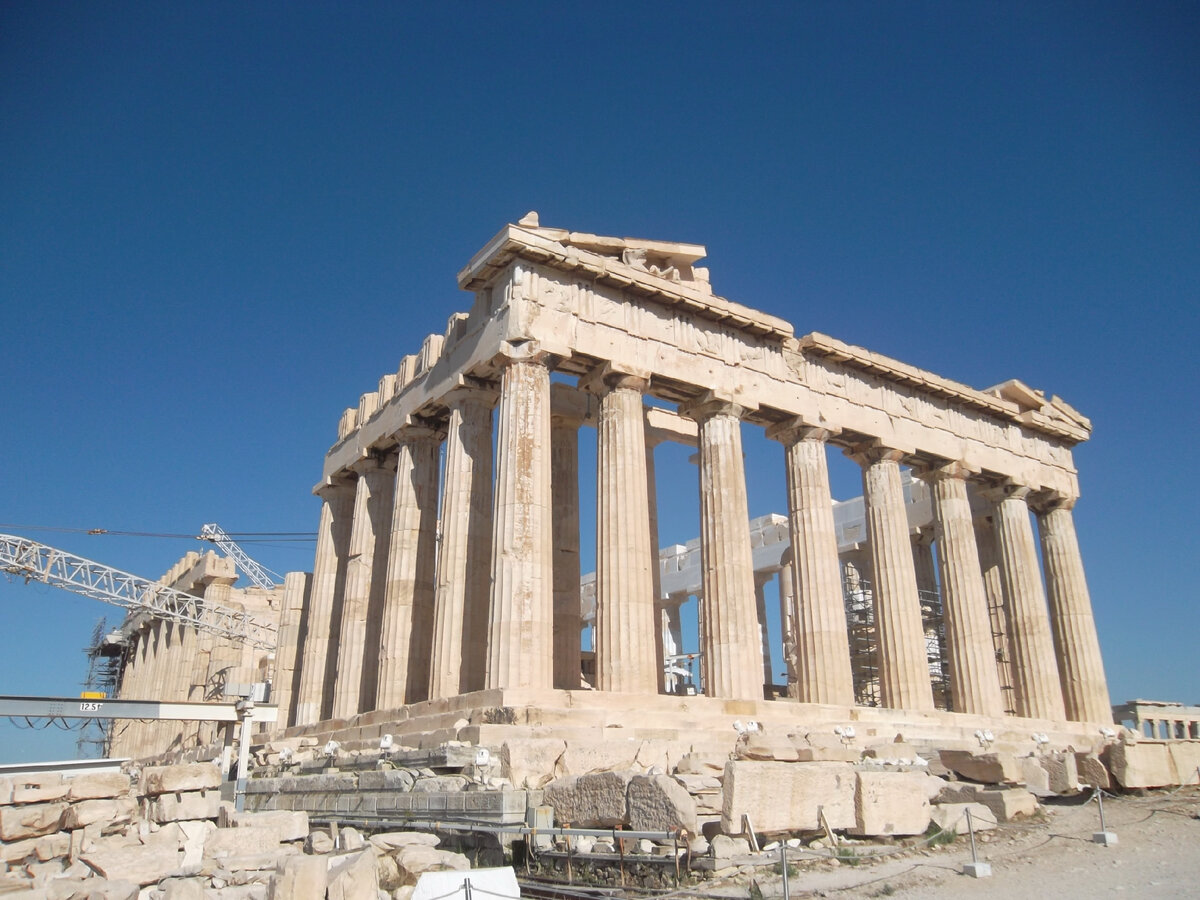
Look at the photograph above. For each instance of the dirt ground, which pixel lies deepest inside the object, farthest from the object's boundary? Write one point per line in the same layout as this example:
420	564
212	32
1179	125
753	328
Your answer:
1157	855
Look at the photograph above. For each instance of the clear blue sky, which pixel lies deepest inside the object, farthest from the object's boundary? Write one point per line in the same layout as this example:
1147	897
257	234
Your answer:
223	222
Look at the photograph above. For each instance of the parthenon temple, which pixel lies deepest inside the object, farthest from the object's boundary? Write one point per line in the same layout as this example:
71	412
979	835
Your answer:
436	581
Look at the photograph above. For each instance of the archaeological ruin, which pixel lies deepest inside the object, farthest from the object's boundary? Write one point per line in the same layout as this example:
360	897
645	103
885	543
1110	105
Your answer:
939	624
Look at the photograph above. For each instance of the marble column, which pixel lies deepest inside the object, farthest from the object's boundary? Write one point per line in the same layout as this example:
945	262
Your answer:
406	637
788	625
1036	687
564	485
354	691
822	646
903	666
655	567
319	666
625	657
464	559
764	633
729	623
974	681
292	618
521	636
923	563
1084	687
993	585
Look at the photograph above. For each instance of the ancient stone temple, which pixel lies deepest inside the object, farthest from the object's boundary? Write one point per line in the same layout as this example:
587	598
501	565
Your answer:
447	575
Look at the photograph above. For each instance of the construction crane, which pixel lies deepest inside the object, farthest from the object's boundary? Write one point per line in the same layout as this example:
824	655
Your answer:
57	568
260	575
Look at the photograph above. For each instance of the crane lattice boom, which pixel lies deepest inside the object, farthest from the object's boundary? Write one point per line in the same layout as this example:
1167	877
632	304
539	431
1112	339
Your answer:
31	560
259	574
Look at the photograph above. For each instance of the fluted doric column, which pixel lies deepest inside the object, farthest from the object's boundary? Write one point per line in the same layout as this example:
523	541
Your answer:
903	666
564	487
319	667
729	624
1036	687
974	681
1080	666
358	656
822	647
625	626
406	635
521	637
297	587
464	559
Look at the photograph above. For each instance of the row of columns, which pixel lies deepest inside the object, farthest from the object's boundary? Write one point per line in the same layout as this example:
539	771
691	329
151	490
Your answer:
501	607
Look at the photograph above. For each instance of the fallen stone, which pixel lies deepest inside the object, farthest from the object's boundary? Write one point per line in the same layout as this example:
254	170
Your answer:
1185	760
177	779
441	784
246	841
1143	764
819	747
660	803
353	877
98	786
41	872
318	842
415	860
350	839
1062	772
387	780
38	788
1092	771
182	889
983	768
701	764
1035	778
395	840
90	889
1008	804
893	750
52	845
589	801
142	864
290	825
724	847
300	878
205	804
110	813
782	797
18	851
953	817
600	756
17	822
762	746
891	803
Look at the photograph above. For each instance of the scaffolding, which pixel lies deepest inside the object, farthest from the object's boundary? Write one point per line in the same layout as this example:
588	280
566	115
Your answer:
864	641
106	658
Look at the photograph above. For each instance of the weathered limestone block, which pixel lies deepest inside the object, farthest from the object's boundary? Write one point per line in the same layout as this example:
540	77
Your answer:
189	805
38	788
590	801
893	750
1185	758
1092	771
299	878
985	768
1035	778
387	780
289	825
701	764
725	847
17	851
243	841
815	747
17	822
660	803
141	864
397	840
183	889
1143	764
787	796
953	817
176	779
440	784
317	843
416	859
532	763
52	846
90	889
761	746
111	813
1006	803
601	756
891	803
1062	772
98	786
353	877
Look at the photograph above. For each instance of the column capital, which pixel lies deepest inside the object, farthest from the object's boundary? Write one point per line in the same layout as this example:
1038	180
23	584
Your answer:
417	430
872	451
958	469
471	393
801	428
1049	500
1006	490
522	351
611	376
333	485
369	464
710	404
